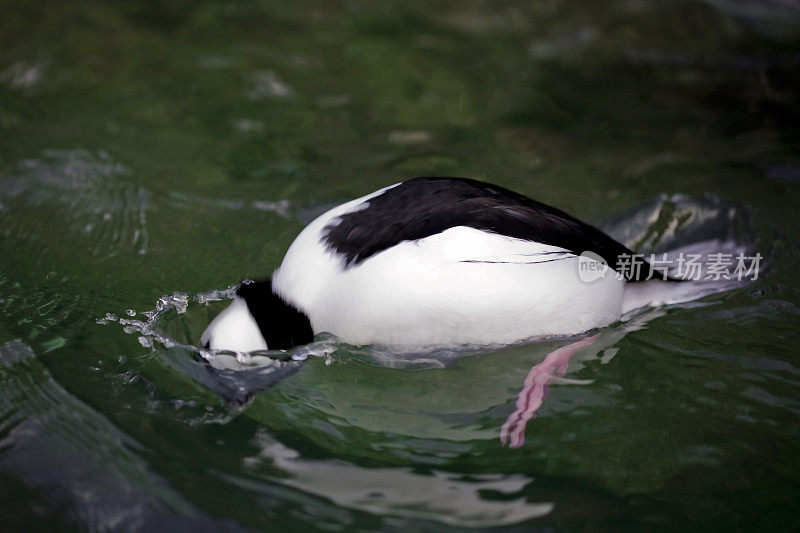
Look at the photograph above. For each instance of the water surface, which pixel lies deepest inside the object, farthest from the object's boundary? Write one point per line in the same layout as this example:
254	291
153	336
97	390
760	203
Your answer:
174	149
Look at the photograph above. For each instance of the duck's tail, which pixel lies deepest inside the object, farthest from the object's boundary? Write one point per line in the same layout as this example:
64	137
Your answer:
702	268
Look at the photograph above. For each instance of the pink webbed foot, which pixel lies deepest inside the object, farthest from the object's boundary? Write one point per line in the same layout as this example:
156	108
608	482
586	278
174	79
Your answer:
536	389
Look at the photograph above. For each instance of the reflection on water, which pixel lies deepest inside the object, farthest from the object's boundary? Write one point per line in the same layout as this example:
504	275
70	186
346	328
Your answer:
439	496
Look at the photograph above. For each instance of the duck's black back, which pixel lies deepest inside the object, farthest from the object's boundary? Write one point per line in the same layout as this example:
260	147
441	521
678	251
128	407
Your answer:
426	206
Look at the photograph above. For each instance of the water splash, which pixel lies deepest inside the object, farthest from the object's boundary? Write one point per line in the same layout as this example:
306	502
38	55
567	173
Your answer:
173	327
169	308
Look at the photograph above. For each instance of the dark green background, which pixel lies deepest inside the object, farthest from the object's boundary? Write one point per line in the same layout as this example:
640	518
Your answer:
143	146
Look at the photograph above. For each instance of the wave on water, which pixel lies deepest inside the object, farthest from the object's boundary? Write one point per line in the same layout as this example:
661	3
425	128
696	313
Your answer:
82	463
95	192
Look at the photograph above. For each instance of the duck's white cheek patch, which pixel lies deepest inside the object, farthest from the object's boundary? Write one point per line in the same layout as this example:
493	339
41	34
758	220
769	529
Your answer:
234	329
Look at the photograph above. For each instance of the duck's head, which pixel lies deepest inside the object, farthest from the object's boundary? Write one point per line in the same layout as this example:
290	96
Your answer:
257	319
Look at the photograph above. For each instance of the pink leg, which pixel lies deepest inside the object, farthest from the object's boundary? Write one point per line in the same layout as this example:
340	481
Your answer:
535	390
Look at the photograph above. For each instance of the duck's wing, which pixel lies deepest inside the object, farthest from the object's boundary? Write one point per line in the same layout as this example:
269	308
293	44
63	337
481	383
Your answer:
422	207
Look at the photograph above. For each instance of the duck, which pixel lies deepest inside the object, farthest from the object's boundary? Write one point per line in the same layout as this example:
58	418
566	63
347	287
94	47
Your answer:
436	261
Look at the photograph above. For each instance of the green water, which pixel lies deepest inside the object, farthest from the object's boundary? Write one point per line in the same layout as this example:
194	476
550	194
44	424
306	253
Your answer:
149	148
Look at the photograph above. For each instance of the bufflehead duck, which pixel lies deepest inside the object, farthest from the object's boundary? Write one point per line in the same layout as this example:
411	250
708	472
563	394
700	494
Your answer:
432	261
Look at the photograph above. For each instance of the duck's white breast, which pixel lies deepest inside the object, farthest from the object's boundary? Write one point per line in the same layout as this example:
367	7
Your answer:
460	286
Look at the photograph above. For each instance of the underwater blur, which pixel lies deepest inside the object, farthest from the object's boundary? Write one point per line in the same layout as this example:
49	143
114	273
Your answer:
155	154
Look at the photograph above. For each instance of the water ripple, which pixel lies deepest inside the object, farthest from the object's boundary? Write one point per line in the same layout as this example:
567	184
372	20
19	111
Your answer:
78	459
93	193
